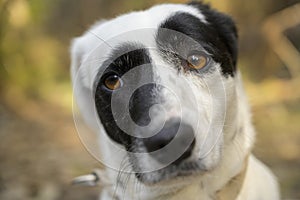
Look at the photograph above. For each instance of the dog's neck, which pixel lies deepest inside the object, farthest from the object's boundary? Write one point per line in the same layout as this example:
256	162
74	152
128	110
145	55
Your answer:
229	191
233	188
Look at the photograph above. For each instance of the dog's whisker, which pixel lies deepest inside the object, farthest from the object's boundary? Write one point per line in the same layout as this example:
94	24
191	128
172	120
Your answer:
126	183
121	172
98	37
137	188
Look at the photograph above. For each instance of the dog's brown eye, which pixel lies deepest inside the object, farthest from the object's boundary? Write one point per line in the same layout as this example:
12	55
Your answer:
112	82
197	61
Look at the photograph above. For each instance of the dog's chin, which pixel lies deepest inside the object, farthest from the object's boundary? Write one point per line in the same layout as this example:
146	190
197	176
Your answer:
171	173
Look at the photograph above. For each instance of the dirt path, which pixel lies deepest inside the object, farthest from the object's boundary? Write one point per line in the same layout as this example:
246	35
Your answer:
39	154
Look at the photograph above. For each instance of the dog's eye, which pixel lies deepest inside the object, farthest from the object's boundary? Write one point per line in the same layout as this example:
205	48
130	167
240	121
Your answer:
197	61
113	82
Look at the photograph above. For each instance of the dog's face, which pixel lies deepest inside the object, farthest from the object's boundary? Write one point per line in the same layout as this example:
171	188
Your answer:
162	83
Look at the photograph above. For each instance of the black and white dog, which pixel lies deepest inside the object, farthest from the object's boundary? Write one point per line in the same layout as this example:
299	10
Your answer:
161	89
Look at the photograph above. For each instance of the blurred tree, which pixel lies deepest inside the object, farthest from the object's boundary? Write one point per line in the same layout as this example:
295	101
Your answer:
257	58
3	26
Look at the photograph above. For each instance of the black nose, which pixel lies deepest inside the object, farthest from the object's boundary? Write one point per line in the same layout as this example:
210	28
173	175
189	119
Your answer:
179	135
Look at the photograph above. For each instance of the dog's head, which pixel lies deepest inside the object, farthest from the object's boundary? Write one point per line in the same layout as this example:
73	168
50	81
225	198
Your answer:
159	86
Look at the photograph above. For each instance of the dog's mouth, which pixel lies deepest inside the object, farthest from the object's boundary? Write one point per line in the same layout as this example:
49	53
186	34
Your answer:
172	172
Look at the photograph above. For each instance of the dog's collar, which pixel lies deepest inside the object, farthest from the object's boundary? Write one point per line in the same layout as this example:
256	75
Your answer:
97	177
234	186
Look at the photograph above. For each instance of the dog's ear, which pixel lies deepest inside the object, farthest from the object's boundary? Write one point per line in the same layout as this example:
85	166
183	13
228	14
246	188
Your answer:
224	25
82	91
76	57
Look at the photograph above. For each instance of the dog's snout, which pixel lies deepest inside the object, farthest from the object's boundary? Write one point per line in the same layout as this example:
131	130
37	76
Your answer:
162	138
179	135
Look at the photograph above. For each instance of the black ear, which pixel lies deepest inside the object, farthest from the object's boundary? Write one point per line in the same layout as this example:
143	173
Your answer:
224	25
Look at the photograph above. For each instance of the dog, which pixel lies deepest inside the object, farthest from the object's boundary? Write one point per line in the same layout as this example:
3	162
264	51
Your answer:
161	90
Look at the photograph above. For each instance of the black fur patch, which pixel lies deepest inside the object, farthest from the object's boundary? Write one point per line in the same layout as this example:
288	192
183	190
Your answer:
122	59
218	37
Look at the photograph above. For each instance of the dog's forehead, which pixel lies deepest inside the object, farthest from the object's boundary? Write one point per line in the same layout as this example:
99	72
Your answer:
147	19
99	42
156	31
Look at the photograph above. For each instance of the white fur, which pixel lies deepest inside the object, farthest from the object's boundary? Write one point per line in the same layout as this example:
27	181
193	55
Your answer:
88	53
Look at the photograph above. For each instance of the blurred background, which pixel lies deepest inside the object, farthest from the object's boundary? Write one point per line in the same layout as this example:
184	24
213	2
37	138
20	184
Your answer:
40	151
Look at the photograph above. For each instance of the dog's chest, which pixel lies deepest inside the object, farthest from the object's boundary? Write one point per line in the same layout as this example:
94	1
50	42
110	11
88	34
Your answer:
193	192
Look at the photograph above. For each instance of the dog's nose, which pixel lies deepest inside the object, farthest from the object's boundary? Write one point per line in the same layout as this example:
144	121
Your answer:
179	135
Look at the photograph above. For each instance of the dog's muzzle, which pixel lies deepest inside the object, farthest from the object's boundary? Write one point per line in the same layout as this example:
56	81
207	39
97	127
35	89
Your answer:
174	143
